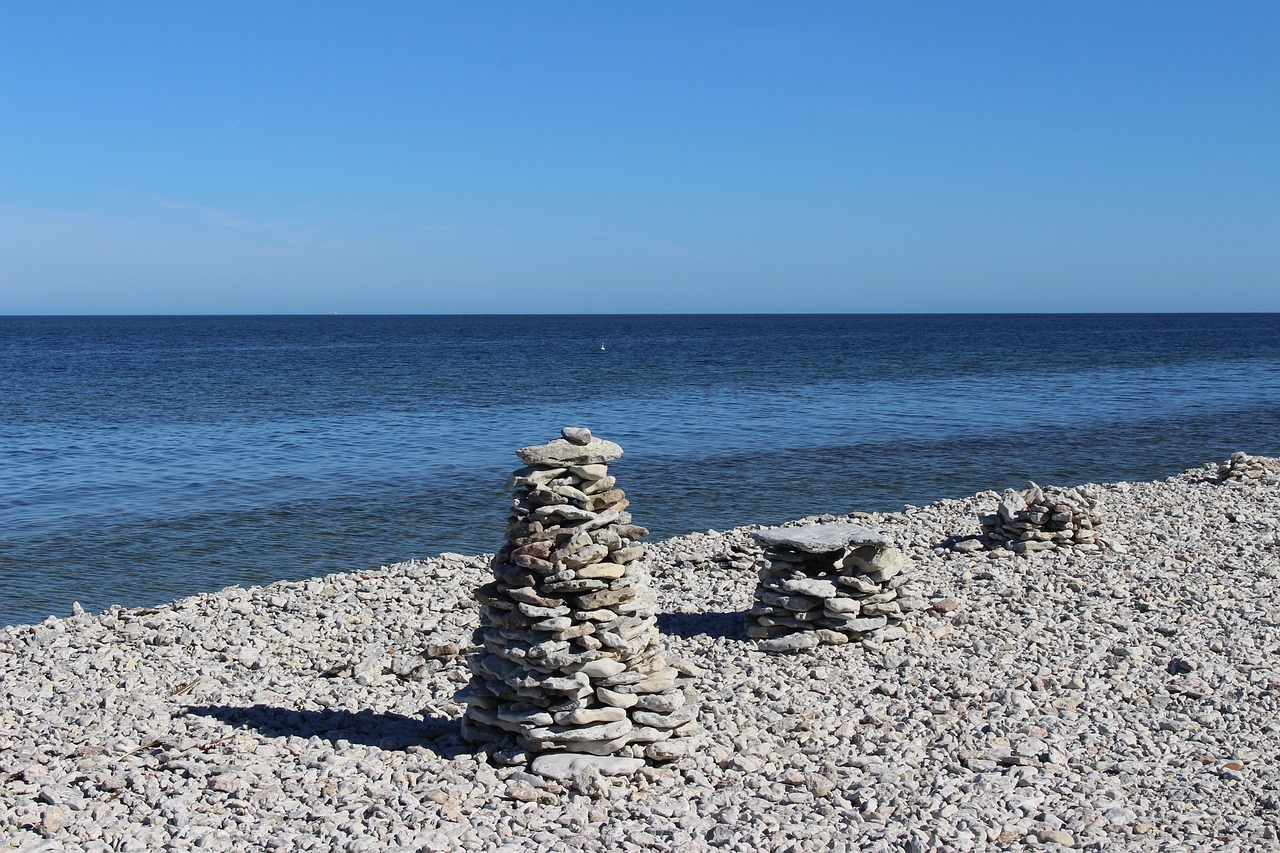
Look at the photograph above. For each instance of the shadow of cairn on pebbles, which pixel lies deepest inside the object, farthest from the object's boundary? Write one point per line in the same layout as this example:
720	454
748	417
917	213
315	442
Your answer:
568	667
830	583
1037	519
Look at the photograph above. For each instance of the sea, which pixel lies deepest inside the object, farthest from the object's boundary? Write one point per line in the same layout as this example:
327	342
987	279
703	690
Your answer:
148	458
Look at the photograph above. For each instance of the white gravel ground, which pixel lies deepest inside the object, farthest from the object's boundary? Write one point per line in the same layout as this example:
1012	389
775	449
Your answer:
1122	700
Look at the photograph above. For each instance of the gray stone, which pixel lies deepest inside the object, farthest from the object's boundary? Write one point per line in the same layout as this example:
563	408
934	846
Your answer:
574	586
1056	836
596	747
841	607
534	476
795	603
604	571
649	734
659	682
615	698
527	716
572	734
587	716
656	720
863	623
571	493
604	484
1010	505
580	557
569	513
602	668
562	453
816	587
628	554
566	765
789	642
668	750
880	564
663	703
820	538
577	435
605	598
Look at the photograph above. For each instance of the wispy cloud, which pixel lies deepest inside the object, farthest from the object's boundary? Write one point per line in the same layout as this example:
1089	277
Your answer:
295	230
649	243
304	226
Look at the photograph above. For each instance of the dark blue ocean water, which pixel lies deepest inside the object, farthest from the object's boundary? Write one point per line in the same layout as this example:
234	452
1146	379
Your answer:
145	458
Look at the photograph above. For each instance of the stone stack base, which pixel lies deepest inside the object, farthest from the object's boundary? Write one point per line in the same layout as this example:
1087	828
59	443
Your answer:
830	584
1036	519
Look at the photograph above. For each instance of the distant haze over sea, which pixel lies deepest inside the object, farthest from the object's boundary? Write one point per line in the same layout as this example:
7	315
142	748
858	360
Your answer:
146	458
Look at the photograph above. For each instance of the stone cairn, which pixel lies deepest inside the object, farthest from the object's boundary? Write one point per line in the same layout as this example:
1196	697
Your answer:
1038	520
1243	468
568	662
829	583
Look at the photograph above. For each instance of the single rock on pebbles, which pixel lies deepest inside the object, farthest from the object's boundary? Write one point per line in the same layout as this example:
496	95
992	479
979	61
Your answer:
568	666
1037	519
830	583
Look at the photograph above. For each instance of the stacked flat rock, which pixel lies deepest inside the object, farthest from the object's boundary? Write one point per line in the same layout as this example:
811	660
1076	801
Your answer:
829	583
568	663
1036	519
1243	468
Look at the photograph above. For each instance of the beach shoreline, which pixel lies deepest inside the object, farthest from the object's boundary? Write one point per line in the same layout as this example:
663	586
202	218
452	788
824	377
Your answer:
1127	698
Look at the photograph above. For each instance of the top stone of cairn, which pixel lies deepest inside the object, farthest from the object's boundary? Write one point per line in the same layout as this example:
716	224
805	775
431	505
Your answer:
578	447
820	538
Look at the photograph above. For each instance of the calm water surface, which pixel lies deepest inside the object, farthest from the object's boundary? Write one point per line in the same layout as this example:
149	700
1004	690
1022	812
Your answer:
144	458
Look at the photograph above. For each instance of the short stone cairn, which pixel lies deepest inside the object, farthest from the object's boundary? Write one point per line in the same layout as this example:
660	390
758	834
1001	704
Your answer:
1243	468
568	663
1037	519
830	584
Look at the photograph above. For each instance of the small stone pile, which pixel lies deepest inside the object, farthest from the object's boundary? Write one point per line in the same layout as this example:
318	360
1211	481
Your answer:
1038	520
829	583
1243	468
568	661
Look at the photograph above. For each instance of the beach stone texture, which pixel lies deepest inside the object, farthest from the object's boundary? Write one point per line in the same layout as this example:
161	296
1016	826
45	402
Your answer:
1118	700
1044	519
567	655
829	584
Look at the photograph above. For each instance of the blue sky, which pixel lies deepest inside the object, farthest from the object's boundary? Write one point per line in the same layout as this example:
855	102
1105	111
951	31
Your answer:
566	157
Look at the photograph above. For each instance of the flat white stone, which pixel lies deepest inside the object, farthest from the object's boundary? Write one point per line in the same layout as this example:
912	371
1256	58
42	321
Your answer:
566	765
815	587
820	538
602	668
789	643
563	453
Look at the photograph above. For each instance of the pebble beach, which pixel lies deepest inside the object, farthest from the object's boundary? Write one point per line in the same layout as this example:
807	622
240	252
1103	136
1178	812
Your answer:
1124	698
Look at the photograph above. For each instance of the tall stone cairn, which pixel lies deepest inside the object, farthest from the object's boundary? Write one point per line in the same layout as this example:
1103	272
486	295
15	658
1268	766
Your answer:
1037	519
568	663
829	584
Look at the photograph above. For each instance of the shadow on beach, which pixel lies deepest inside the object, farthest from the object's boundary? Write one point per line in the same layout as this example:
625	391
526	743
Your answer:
441	735
728	624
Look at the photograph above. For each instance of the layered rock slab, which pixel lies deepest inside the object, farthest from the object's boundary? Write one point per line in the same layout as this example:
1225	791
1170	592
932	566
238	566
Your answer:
568	658
829	584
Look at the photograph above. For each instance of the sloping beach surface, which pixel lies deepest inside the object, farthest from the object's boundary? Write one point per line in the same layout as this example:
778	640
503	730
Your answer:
1127	699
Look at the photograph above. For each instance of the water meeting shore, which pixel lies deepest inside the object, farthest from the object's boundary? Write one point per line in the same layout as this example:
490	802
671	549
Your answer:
1123	698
